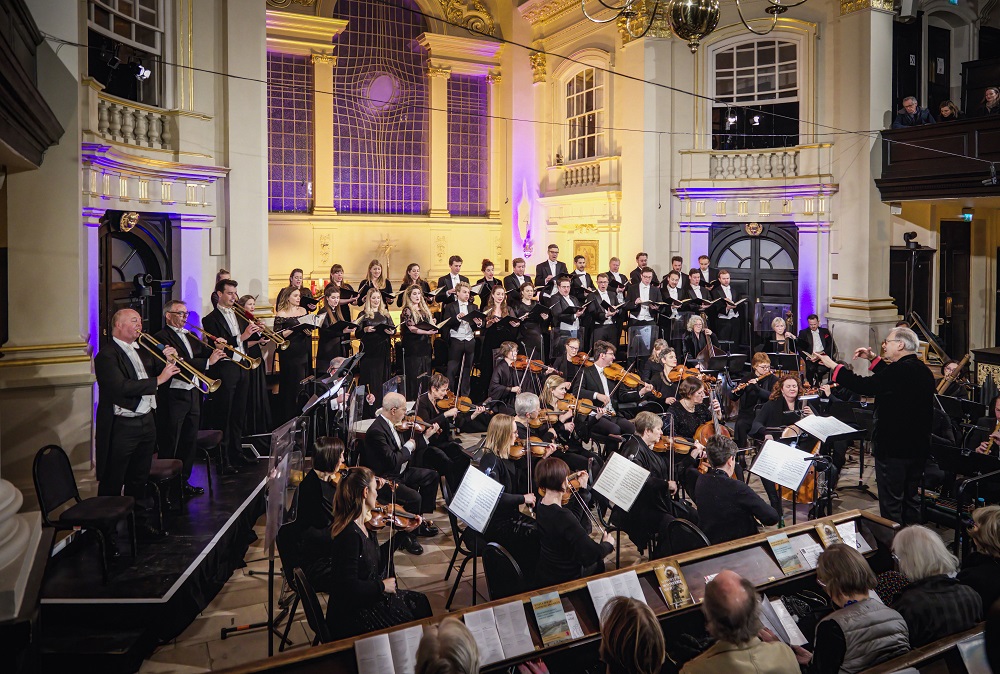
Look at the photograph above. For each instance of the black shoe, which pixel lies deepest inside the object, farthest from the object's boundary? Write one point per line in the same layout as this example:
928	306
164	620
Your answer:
228	469
413	547
147	532
191	490
426	530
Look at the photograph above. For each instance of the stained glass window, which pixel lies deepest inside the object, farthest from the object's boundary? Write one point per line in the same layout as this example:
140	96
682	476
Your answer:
289	133
468	147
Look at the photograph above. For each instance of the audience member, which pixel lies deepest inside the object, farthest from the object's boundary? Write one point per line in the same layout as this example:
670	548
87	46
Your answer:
732	616
447	648
981	569
990	104
863	631
631	639
911	115
948	112
934	604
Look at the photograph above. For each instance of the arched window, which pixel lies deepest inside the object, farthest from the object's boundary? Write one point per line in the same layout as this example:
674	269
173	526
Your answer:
756	93
585	115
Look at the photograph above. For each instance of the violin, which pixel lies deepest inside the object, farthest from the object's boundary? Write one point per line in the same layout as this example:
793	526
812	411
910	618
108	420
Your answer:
537	367
629	379
574	486
415	422
581	359
680	445
463	403
582	406
538	447
680	372
390	515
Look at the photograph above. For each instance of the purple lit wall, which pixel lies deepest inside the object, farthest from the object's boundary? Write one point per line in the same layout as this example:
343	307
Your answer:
380	113
289	133
468	150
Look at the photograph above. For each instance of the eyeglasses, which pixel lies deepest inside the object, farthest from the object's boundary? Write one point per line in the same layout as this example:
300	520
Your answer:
180	313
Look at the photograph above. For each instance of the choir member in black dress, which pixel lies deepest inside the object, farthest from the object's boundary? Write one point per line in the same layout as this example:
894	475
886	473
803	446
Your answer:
660	379
412	278
531	330
781	410
367	598
496	333
755	392
689	412
505	382
373	320
696	338
375	278
258	414
348	296
416	340
296	279
509	527
488	283
567	551
654	508
443	454
333	342
780	340
296	360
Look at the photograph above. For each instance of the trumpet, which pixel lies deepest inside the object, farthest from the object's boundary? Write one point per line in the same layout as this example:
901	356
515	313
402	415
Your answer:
211	341
278	340
188	373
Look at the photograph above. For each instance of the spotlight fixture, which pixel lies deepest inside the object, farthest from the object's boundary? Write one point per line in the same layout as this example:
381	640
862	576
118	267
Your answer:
730	118
992	180
142	73
909	238
755	121
114	61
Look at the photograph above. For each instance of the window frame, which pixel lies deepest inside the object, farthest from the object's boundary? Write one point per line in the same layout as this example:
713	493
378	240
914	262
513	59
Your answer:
579	61
111	6
579	115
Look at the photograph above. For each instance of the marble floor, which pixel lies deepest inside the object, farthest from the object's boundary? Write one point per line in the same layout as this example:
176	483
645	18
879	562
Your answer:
243	599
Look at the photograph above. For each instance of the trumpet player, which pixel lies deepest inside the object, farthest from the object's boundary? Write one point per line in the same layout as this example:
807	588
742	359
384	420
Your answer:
226	408
127	381
179	404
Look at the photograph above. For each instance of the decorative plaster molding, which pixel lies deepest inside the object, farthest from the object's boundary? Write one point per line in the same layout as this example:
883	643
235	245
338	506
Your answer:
301	34
537	61
540	11
324	58
464	55
851	6
494	77
471	14
438	71
280	4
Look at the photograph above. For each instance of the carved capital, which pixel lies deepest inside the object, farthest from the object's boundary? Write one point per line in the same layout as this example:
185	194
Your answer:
494	77
281	4
439	71
538	71
471	14
851	6
324	58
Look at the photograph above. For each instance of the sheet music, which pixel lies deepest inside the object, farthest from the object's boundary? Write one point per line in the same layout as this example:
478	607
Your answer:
849	533
512	626
621	481
782	464
823	427
774	611
312	319
404	644
973	652
603	590
476	499
810	554
374	655
483	626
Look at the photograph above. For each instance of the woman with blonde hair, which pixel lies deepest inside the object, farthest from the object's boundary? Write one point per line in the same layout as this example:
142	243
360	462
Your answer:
447	648
561	427
509	527
377	278
414	321
981	569
631	638
934	604
375	327
696	338
652	365
780	341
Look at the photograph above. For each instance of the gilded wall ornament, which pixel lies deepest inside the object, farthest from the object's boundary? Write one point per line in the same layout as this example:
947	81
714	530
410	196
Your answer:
754	228
471	14
537	61
851	6
659	27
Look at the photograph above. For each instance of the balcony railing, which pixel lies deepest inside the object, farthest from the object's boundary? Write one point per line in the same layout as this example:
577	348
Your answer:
598	174
800	161
132	124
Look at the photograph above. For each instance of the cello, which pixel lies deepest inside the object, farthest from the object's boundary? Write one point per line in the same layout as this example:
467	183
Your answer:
710	429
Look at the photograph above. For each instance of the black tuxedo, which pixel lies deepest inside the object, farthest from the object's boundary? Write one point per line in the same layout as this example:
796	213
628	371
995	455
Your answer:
608	425
445	283
713	277
579	284
461	353
729	329
596	317
633	295
511	285
124	445
542	270
387	458
226	408
558	304
815	371
682	285
690	294
178	409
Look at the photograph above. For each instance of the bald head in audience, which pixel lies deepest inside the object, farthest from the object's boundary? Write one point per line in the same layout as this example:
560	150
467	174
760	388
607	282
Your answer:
731	609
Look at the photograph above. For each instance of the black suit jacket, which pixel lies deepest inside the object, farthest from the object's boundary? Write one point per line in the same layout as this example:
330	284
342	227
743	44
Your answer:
201	352
689	293
636	277
542	270
693	346
559	304
503	379
445	282
713	274
595	312
805	342
451	314
216	324
579	283
511	285
633	295
720	307
381	453
592	386
118	384
729	509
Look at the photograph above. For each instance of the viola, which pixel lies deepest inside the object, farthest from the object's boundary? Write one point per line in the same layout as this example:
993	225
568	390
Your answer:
581	359
582	406
537	367
537	447
463	403
392	515
629	379
574	486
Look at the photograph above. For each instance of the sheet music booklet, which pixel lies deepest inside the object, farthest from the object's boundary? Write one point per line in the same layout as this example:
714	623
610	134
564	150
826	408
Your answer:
476	499
782	464
603	590
621	481
500	632
392	653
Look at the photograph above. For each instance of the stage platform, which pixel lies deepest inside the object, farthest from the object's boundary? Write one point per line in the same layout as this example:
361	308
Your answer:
89	626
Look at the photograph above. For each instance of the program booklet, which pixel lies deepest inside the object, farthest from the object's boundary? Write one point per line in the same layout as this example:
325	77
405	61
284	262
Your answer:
553	625
672	584
784	552
828	534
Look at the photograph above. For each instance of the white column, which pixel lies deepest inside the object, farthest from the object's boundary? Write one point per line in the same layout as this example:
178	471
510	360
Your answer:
322	176
246	143
437	79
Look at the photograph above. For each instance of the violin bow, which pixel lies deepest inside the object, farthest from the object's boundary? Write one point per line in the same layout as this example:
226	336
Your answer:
389	565
586	509
527	369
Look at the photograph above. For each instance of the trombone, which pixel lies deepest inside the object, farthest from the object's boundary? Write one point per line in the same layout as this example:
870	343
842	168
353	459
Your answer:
248	362
278	340
188	373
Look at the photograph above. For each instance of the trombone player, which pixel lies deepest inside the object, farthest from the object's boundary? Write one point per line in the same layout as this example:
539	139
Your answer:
179	404
127	381
226	408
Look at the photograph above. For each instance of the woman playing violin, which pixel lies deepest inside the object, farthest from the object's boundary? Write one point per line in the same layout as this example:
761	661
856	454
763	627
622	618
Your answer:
752	393
689	412
551	425
567	551
367	597
649	368
509	526
660	379
570	361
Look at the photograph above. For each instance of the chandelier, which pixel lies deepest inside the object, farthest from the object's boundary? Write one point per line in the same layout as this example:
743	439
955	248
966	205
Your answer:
690	20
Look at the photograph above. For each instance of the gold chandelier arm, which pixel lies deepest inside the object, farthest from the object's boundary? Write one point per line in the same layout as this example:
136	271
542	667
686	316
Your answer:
774	19
583	6
652	19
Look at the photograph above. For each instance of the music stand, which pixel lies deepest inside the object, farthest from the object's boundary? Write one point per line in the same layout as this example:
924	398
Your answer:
973	410
729	363
821	464
787	362
864	420
640	341
950	406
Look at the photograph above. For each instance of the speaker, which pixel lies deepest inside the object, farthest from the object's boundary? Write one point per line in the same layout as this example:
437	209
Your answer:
908	11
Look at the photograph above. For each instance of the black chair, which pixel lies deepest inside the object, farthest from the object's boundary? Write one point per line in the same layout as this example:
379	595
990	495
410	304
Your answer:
313	609
468	542
206	442
55	486
683	536
503	575
162	474
288	542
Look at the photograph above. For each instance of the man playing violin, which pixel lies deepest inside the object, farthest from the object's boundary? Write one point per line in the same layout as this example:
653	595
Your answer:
442	453
390	457
728	508
598	388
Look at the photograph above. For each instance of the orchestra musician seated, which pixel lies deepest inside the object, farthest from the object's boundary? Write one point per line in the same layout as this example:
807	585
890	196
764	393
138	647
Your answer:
564	362
367	598
443	454
689	412
660	377
753	393
696	339
732	616
728	508
527	407
505	383
598	388
567	551
780	340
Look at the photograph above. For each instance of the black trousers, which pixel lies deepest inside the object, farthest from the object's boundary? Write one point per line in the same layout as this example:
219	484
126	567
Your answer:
898	480
133	442
815	372
457	350
179	418
226	408
416	491
444	457
611	426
